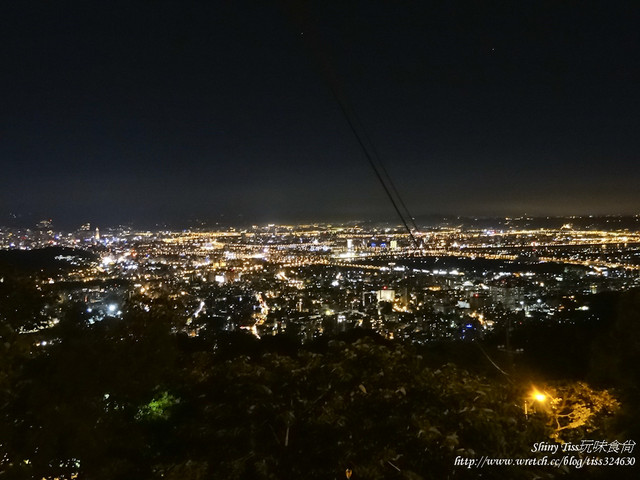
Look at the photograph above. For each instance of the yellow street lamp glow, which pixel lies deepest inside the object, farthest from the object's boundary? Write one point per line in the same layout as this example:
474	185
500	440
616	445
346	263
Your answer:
540	397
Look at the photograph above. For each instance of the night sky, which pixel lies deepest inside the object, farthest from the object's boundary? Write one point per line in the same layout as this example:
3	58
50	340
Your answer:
152	112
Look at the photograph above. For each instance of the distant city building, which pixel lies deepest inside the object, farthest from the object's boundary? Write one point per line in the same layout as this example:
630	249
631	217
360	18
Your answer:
386	295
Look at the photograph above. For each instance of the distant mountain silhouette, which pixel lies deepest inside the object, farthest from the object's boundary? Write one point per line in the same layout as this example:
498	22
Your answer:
49	259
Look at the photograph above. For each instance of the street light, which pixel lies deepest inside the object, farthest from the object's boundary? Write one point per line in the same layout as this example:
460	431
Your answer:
535	396
539	397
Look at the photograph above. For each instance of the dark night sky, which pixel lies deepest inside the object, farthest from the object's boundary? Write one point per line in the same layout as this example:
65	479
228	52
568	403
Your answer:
158	111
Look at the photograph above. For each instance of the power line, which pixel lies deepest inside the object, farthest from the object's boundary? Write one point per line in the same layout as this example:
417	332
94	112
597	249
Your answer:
370	159
314	45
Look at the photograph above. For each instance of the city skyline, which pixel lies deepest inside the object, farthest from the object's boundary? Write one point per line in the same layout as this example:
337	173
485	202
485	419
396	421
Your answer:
161	113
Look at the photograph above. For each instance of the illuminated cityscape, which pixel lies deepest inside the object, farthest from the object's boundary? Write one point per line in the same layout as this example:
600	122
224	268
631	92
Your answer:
307	280
177	330
319	240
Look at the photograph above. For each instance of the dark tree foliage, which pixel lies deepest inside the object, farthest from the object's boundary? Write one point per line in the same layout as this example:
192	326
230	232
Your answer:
616	356
21	305
132	397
